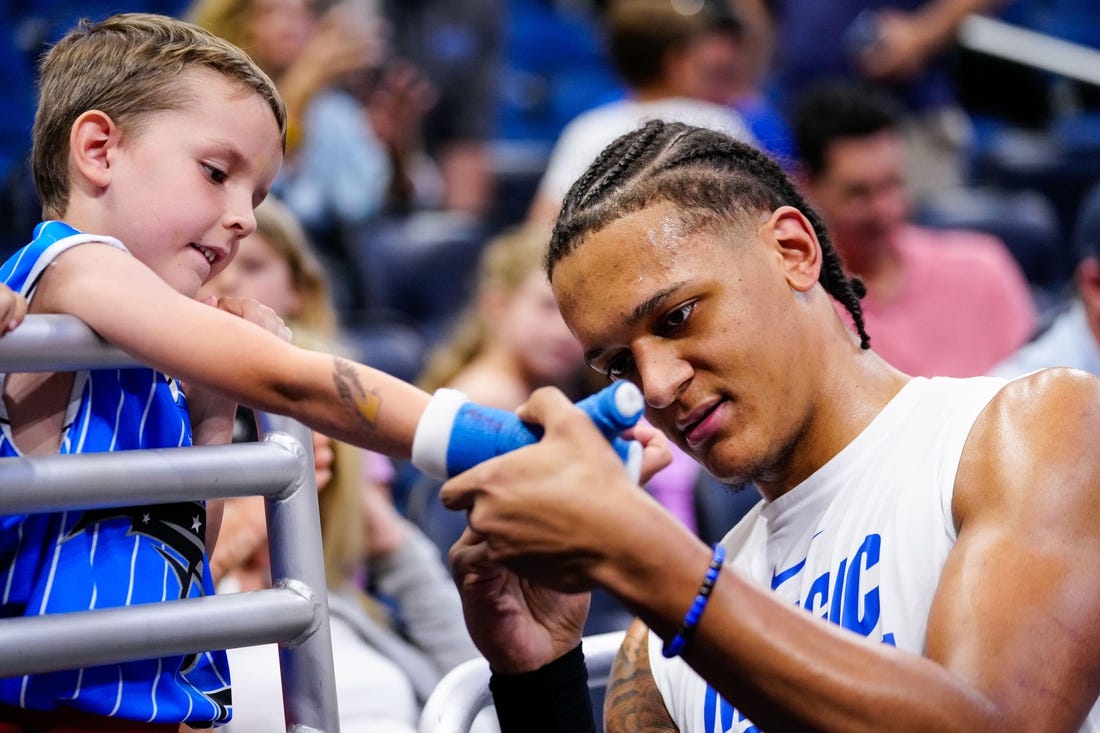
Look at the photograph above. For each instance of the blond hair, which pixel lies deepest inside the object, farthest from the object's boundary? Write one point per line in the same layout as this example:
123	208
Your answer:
126	66
505	264
226	19
314	326
316	316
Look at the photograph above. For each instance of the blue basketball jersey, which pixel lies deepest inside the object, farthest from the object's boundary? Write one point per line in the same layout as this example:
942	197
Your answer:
75	561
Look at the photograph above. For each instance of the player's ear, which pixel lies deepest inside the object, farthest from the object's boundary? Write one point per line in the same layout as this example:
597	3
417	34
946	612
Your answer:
92	138
797	246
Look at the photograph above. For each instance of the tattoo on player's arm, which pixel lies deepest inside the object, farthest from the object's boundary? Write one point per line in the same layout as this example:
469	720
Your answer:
366	404
633	702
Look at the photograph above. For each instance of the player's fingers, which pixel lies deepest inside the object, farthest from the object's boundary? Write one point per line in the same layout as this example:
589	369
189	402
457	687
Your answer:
458	493
549	406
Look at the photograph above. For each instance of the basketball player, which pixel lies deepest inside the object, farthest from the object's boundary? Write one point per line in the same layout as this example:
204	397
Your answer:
927	553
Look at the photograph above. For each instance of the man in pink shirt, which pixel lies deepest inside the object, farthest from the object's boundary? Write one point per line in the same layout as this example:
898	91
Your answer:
938	302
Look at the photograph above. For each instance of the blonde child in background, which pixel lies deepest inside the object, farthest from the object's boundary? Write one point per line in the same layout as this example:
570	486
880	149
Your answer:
382	675
511	340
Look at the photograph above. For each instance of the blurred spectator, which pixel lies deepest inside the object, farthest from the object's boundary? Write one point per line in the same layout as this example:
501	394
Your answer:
511	340
939	302
652	45
555	66
900	45
1072	338
337	173
456	45
391	646
725	64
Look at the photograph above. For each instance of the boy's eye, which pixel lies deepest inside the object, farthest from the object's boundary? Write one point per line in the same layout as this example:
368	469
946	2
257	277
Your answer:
215	174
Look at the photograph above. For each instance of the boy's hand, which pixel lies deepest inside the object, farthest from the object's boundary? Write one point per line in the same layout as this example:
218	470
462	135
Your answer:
254	311
13	307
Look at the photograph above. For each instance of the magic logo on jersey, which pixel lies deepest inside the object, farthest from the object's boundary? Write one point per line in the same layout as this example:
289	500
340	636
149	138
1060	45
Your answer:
847	596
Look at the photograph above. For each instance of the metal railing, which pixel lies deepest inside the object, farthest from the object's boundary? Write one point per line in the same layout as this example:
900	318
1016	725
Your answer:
1031	48
294	612
463	692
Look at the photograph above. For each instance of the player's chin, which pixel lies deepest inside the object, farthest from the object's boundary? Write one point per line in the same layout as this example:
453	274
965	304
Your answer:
726	464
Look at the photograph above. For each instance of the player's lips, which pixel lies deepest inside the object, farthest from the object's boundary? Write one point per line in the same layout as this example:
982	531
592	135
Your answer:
701	423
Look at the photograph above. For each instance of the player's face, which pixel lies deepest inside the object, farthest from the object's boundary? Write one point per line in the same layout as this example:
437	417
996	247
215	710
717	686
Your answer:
529	325
697	320
184	183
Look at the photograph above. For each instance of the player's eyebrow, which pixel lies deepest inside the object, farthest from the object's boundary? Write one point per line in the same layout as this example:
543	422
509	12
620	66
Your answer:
651	304
642	311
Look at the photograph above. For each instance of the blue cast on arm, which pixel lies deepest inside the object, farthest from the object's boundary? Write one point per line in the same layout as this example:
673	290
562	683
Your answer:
455	434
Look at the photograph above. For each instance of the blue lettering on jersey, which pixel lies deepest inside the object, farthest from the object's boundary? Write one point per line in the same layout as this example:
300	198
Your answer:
840	596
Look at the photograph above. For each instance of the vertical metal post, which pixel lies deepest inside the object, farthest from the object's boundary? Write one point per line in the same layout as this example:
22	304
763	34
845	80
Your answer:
308	674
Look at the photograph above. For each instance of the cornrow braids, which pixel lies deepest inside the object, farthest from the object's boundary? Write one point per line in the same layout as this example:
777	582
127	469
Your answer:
709	176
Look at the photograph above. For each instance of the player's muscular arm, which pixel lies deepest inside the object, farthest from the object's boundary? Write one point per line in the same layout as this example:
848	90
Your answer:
1023	583
1012	642
633	702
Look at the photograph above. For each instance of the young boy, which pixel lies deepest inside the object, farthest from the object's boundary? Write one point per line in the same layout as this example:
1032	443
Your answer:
153	142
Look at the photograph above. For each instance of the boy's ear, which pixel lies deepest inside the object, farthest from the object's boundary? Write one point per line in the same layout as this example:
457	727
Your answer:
92	138
797	245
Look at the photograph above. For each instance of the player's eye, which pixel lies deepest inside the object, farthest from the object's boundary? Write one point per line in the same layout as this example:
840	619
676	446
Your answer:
678	316
619	366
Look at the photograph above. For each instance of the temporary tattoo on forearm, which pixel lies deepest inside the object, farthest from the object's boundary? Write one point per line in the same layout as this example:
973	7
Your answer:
367	404
633	702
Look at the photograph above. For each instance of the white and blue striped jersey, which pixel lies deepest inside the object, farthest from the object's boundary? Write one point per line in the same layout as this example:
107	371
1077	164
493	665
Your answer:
861	543
80	560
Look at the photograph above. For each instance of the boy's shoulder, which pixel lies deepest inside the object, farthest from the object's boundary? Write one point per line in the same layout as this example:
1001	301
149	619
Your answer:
21	270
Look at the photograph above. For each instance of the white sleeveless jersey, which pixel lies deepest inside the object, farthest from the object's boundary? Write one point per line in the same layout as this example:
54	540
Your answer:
861	542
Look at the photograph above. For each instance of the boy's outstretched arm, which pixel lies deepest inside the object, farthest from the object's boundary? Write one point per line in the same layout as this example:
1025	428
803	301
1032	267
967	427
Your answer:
212	349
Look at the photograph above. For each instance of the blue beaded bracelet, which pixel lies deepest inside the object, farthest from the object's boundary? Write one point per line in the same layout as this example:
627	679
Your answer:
691	620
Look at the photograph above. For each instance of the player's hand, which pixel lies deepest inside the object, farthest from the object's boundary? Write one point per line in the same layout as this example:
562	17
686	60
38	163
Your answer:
547	510
516	624
656	449
13	308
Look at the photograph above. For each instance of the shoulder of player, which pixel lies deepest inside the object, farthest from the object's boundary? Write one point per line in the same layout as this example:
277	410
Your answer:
1037	434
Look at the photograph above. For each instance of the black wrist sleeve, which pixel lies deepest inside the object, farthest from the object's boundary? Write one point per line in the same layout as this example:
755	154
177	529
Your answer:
551	699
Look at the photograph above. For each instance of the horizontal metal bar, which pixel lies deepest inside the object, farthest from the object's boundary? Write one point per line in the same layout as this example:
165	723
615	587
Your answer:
1031	48
59	641
464	692
162	475
48	343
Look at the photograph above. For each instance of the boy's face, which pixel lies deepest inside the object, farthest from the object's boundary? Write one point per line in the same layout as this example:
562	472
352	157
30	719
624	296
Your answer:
184	184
